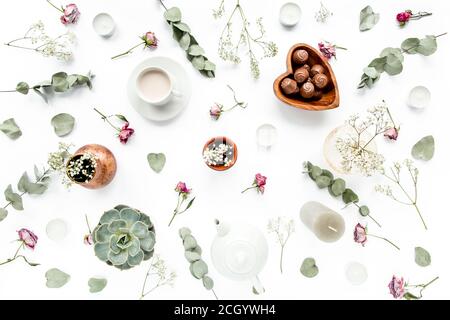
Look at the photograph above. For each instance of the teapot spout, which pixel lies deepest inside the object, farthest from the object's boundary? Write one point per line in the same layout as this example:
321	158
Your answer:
222	228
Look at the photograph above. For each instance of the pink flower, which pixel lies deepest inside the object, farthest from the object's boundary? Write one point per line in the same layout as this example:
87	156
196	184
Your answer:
182	188
328	50
215	111
71	14
28	238
260	182
125	133
391	133
88	240
397	287
360	234
150	40
403	17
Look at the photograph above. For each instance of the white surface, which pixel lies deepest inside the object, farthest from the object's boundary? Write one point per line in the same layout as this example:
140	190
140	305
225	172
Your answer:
300	137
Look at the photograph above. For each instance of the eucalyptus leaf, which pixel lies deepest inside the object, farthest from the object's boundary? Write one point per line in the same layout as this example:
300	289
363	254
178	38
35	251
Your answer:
378	64
97	284
182	27
173	14
422	257
56	278
393	51
3	213
208	283
156	161
199	269
371	72
198	62
184	232
210	66
23	88
14	198
364	211
192	256
23	182
349	196
309	268
63	124
323	181
41	94
410	296
59	82
423	149
122	117
189	242
338	187
393	65
11	129
190	204
427	46
410	45
185	41
368	19
315	172
196	50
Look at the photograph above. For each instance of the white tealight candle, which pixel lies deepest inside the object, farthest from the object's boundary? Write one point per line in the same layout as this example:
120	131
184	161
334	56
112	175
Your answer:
266	135
104	24
356	273
56	229
290	14
419	97
326	224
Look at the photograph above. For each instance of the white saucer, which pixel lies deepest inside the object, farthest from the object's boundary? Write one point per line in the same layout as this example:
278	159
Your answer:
181	84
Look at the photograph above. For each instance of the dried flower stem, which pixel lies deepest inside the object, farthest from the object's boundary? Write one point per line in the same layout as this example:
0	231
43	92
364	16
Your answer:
106	119
59	9
390	242
369	215
416	46
283	228
129	51
422	286
176	212
16	256
157	269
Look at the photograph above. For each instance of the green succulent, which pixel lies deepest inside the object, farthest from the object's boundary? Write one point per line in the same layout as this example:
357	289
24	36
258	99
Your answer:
124	237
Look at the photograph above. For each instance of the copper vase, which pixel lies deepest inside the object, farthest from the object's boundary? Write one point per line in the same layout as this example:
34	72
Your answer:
226	141
106	166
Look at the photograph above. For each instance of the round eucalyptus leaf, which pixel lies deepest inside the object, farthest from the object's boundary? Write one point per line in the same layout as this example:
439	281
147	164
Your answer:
423	149
199	269
182	27
392	51
183	232
309	268
371	72
59	82
338	187
349	196
323	181
315	172
96	284
173	14
185	41
208	283
364	211
56	278
209	66
422	257
156	161
196	50
10	128
328	174
427	46
189	242
23	87
192	256
63	124
410	45
378	64
393	65
3	213
368	19
198	62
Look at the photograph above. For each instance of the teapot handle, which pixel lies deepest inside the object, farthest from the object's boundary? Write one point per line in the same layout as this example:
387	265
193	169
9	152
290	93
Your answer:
257	286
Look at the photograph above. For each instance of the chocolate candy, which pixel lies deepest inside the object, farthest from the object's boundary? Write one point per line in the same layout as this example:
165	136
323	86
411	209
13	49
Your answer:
300	56
289	86
317	68
307	90
301	75
320	80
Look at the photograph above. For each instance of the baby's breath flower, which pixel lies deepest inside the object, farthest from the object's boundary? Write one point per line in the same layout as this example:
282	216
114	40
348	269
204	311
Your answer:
282	227
161	273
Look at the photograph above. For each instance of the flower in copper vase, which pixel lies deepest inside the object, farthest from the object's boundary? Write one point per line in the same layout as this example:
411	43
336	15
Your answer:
397	287
183	195
360	234
123	133
404	17
148	40
391	133
28	238
259	183
328	49
216	111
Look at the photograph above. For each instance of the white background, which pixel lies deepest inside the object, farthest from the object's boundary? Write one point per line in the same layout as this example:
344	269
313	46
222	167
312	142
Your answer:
301	135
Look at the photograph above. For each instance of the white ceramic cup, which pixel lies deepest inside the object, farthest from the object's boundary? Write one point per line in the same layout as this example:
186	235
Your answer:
167	91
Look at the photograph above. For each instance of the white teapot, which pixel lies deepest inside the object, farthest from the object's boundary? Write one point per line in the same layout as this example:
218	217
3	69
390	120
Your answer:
239	252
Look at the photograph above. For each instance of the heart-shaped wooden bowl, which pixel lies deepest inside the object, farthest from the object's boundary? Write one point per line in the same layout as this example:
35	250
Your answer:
330	98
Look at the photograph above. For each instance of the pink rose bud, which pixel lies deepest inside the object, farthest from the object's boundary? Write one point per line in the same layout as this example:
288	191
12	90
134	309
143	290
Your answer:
71	14
28	238
88	240
397	287
391	133
182	188
260	182
328	50
125	133
215	111
360	234
150	40
403	17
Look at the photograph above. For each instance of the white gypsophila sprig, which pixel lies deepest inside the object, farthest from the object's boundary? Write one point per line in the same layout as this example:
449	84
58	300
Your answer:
161	274
354	149
323	14
222	154
394	174
59	47
230	46
282	227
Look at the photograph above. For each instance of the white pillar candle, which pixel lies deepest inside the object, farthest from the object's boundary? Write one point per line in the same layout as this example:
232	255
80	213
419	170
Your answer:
326	224
104	24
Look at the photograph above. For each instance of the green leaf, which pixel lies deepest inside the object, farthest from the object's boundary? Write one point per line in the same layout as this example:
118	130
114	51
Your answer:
3	213
309	268
371	72
185	41
393	65
410	45
423	149
410	296
10	128
182	27
63	124
23	182
198	62
338	187
156	161
14	198
121	117
196	50
72	80
368	19
209	66
323	181
41	94
190	204
96	284
349	196
59	82
199	269
189	242
173	15
394	51
208	283
315	172
56	278
422	257
378	63
364	211
427	46
184	232
23	87
192	256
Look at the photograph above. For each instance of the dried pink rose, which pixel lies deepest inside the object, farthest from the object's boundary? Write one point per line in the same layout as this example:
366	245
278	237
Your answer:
259	183
71	14
328	49
397	287
360	234
88	240
28	238
216	111
391	133
125	133
403	17
150	40
183	195
182	188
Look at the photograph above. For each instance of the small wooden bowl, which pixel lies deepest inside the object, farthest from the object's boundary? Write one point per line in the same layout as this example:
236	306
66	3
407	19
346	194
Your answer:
227	141
330	98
